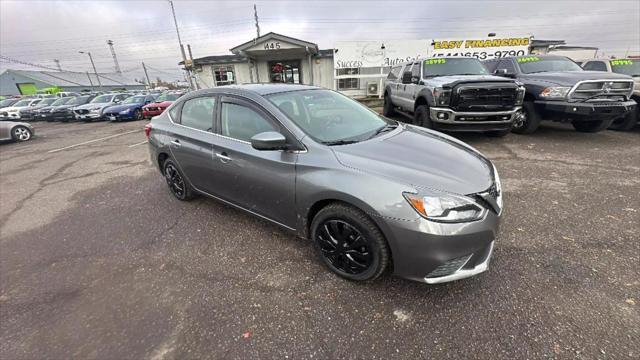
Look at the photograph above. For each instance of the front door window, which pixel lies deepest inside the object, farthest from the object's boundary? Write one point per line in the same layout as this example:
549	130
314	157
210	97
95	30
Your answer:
285	72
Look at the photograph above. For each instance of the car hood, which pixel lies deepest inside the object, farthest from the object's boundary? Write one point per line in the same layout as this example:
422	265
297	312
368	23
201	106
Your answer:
569	78
62	107
454	79
14	108
422	158
160	104
122	107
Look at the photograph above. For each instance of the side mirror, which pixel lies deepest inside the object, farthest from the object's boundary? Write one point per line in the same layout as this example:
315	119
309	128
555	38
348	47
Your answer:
269	140
503	72
406	77
415	79
116	101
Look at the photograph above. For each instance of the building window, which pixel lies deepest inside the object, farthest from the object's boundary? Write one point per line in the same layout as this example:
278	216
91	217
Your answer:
224	75
348	83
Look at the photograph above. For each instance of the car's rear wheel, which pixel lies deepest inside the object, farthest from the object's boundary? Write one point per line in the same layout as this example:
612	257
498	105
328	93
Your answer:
626	122
137	114
527	120
591	126
21	133
422	117
387	109
349	243
178	186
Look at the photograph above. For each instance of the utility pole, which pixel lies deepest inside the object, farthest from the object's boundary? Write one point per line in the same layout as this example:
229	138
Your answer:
115	59
90	82
255	15
94	67
146	75
195	82
57	64
184	56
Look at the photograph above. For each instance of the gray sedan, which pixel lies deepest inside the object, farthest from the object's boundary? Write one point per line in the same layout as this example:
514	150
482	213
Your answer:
371	193
17	131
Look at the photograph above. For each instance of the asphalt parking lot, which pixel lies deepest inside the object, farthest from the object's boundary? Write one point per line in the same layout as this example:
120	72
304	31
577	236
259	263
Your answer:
98	260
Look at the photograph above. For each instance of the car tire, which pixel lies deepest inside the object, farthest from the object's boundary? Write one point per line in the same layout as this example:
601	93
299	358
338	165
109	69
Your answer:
137	115
591	126
349	243
626	122
498	133
422	118
178	185
387	106
527	121
21	133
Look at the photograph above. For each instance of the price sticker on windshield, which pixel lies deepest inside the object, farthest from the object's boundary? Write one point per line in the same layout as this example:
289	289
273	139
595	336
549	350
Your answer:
435	61
621	62
528	59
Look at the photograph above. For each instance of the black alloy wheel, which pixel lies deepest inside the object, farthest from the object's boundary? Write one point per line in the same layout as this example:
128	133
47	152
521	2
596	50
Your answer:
349	243
137	114
177	185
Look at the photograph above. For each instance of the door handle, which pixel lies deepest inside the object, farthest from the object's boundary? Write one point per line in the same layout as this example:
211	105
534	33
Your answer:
176	143
223	157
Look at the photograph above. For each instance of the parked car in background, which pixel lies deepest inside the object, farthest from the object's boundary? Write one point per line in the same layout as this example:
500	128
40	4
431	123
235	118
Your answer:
13	112
629	67
129	109
67	94
161	103
29	113
16	131
94	110
453	94
367	190
65	113
560	90
44	113
8	102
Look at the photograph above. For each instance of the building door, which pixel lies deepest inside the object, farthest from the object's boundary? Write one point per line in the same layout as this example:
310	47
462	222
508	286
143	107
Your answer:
286	71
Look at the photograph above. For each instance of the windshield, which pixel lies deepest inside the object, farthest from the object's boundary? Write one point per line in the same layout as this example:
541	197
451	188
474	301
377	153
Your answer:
22	103
61	101
6	102
78	101
627	67
535	64
453	66
48	101
327	116
102	99
134	100
167	97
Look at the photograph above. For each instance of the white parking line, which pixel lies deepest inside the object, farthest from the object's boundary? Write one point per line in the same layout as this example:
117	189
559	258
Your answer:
140	143
94	140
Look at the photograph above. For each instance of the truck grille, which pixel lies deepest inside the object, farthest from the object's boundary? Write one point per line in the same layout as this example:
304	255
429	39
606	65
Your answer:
484	97
601	90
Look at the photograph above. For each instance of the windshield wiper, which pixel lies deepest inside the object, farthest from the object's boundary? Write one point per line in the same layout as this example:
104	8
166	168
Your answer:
385	128
340	142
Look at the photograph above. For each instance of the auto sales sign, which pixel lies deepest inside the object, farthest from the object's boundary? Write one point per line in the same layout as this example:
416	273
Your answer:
483	48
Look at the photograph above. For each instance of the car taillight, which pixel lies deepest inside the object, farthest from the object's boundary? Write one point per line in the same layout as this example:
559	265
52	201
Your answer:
147	130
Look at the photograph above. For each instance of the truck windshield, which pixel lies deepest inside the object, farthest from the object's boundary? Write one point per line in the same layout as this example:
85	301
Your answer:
627	67
329	117
452	66
535	64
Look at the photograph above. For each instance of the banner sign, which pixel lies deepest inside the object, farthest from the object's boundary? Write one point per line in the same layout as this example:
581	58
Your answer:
376	53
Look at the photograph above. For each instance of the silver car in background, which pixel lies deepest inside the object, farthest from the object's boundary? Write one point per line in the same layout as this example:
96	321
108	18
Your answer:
371	193
17	131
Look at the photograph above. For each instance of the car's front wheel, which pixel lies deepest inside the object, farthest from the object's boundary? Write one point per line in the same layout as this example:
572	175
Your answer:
422	117
178	186
137	115
21	133
387	109
591	126
527	120
627	122
349	243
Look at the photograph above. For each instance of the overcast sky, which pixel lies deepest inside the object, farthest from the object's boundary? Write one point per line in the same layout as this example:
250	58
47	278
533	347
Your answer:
40	31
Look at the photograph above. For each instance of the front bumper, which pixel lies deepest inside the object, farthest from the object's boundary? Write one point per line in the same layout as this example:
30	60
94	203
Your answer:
88	116
118	116
451	120
13	116
62	116
586	110
434	253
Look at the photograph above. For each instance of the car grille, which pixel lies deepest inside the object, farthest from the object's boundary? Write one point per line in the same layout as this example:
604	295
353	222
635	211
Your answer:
484	97
81	111
449	267
601	90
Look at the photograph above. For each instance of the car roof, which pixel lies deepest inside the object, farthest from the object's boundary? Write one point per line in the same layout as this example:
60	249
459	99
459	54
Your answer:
261	89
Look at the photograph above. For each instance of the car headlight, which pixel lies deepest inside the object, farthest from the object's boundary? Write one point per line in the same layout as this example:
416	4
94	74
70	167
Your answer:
559	92
443	207
441	96
498	186
520	95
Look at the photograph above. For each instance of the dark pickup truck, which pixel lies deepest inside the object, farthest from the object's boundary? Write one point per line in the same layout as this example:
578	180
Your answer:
558	89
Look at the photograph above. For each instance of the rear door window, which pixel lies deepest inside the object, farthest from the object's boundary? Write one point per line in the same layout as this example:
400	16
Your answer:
198	113
595	66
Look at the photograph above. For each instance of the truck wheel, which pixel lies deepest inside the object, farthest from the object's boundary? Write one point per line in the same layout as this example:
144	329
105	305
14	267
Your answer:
387	109
497	133
527	121
422	117
591	126
626	122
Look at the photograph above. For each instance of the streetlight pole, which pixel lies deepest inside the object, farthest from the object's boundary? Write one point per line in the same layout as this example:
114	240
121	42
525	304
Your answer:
94	67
